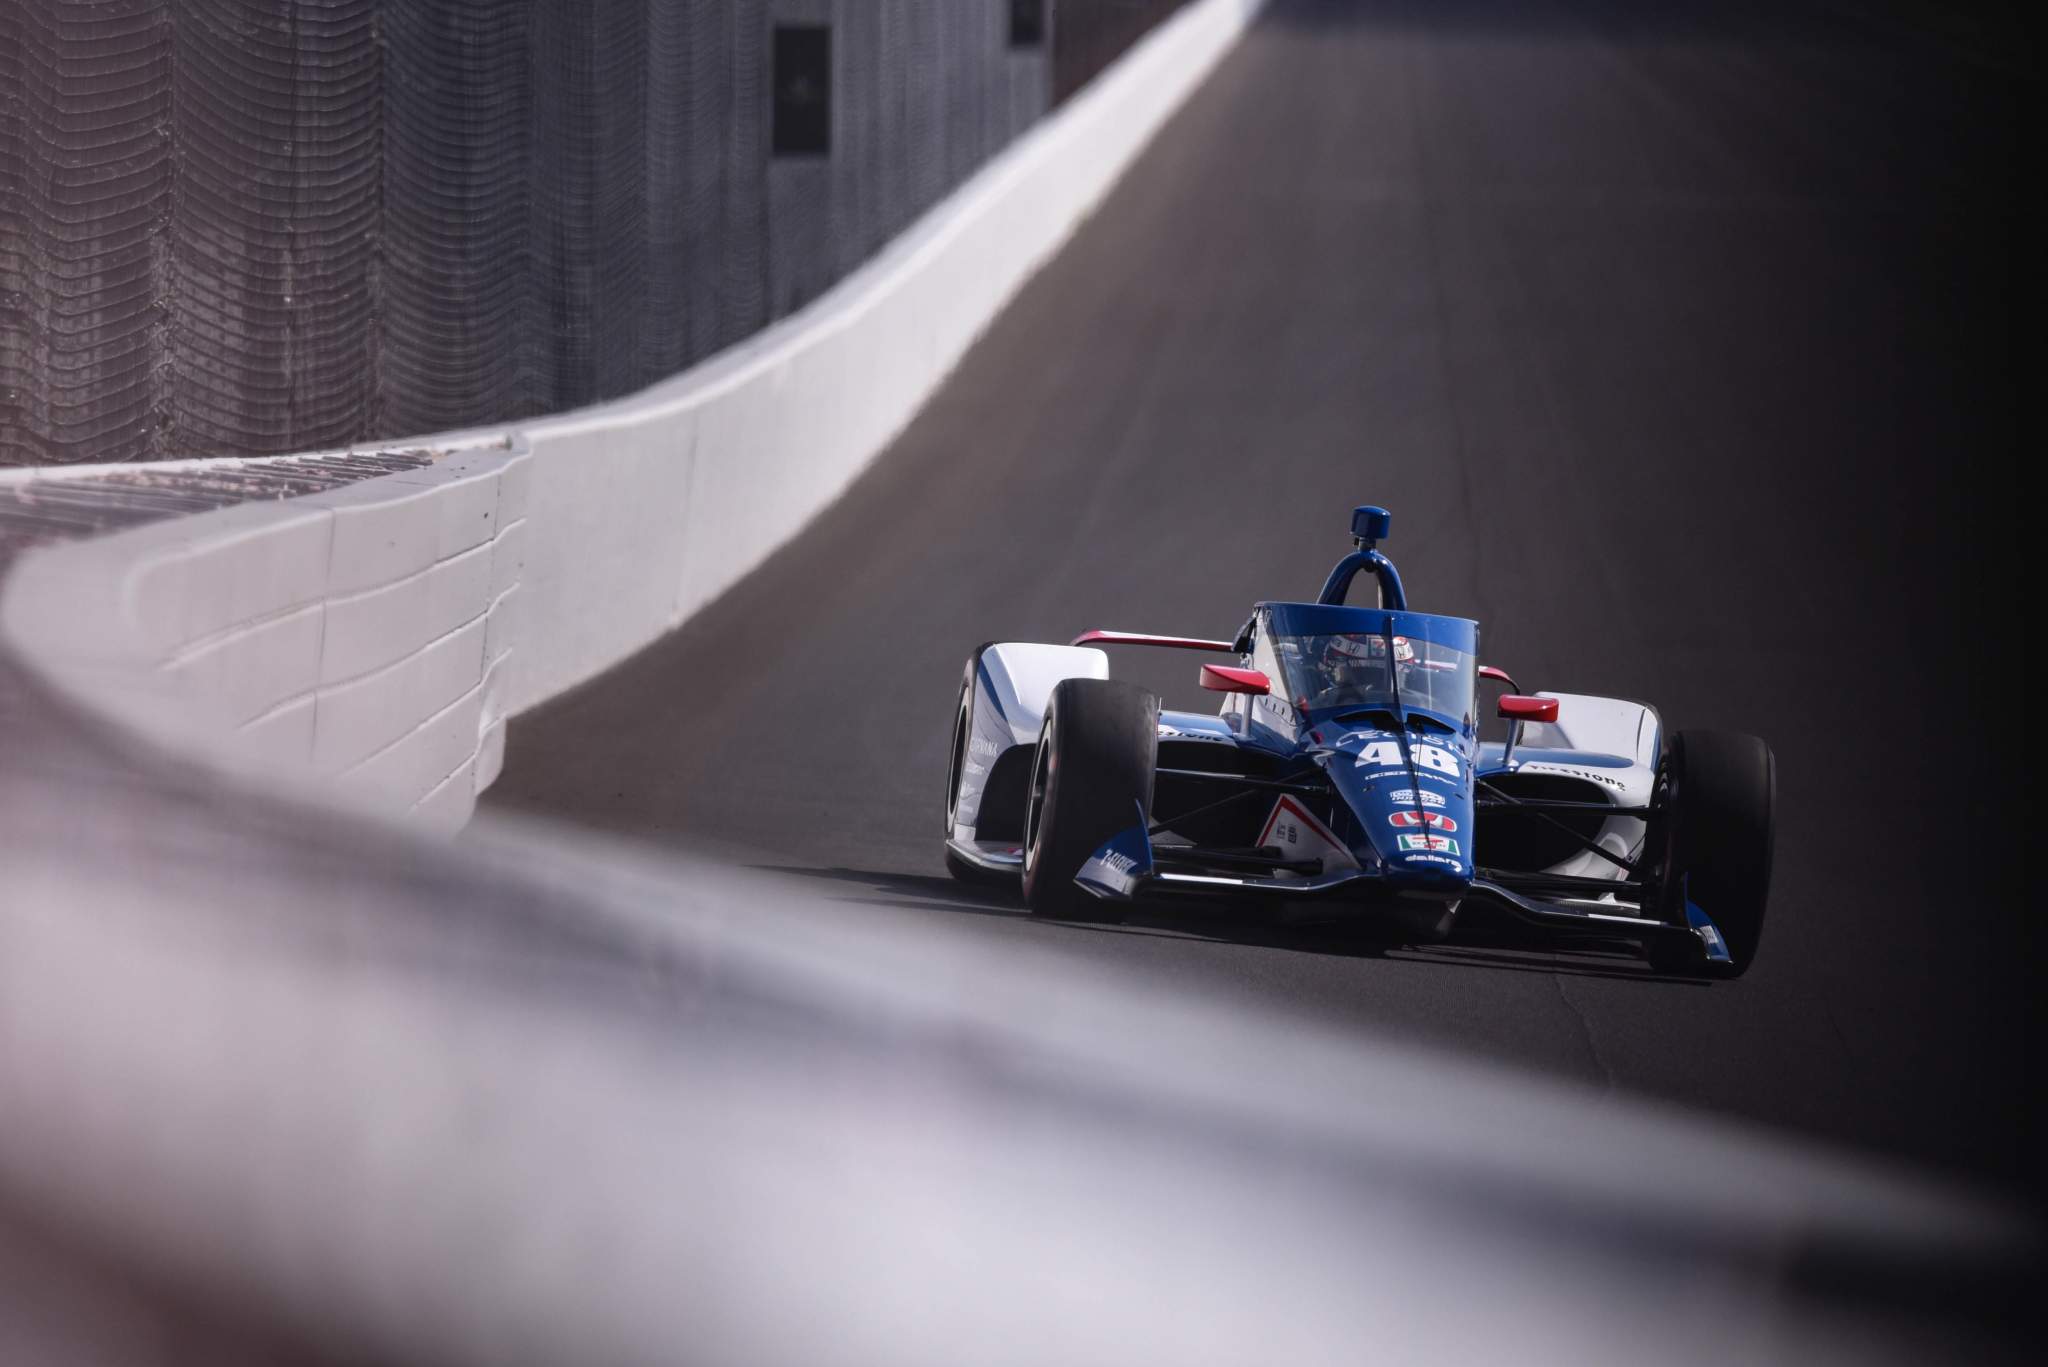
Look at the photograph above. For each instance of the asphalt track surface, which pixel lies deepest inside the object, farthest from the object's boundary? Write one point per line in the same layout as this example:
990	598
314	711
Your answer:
1684	347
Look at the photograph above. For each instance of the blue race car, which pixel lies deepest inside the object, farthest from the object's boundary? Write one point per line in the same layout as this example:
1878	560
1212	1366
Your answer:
1345	767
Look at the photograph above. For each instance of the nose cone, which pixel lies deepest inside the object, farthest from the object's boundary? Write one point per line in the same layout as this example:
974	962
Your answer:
1412	796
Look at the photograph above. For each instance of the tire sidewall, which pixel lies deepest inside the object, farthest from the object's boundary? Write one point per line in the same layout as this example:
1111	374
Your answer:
1720	836
1091	779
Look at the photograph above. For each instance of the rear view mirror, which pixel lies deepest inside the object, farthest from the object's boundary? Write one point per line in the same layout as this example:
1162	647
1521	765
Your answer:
1230	679
1521	707
1498	676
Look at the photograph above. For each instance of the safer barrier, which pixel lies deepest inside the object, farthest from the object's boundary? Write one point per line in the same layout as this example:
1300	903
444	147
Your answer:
650	507
360	637
365	638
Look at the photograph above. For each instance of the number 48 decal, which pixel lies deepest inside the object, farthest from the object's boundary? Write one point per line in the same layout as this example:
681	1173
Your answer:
1387	752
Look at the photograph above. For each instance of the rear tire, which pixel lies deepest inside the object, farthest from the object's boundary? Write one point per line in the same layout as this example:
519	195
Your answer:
1091	780
1721	788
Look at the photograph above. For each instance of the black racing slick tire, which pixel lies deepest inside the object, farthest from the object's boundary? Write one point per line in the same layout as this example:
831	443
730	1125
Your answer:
1090	780
963	726
1721	794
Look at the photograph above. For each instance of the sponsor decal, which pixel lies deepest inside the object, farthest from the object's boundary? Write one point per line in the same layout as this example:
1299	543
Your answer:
1115	870
1434	859
1544	767
1375	776
1168	731
1411	796
1410	820
984	747
1303	837
1350	736
1441	844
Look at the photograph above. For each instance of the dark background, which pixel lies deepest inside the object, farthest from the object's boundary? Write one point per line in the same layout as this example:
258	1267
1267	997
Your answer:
1685	343
240	227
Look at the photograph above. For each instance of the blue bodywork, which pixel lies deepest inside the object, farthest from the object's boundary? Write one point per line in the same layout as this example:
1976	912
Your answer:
1391	814
1120	866
1405	774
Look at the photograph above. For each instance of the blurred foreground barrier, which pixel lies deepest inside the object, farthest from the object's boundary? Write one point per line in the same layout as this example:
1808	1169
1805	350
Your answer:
278	1086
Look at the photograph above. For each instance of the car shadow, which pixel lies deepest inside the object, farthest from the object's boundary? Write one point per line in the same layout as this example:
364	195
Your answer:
1484	942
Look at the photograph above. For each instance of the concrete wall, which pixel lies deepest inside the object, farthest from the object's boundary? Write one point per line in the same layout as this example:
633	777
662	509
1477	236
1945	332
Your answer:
366	637
648	508
361	637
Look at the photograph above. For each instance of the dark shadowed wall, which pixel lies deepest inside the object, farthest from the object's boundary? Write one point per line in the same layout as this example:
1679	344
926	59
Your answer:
254	226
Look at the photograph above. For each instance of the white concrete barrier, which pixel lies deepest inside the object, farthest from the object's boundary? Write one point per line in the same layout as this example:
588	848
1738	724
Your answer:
648	508
364	638
359	638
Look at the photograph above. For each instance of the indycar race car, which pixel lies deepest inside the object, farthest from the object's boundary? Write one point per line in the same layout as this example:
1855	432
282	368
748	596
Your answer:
1345	767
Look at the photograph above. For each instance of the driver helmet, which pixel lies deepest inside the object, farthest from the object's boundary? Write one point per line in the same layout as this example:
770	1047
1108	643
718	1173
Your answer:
1360	661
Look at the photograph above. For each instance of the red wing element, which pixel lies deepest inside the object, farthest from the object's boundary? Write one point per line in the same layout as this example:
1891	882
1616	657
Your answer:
1515	707
1499	676
1229	679
1135	638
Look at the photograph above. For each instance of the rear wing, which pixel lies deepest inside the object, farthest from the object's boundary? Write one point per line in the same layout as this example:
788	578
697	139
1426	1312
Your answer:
1137	638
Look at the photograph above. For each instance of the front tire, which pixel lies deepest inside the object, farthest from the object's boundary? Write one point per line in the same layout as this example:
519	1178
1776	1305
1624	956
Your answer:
963	730
1090	780
1721	795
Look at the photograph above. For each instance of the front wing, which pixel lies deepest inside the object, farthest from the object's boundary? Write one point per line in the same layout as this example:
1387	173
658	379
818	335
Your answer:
1130	867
